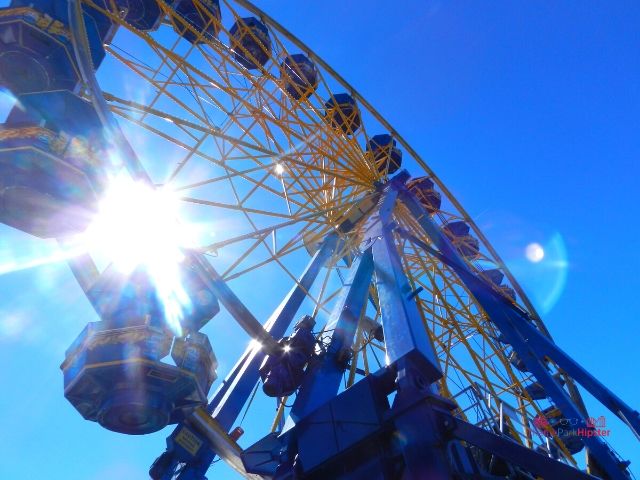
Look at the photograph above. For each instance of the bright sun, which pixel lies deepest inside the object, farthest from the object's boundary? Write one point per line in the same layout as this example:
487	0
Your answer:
138	226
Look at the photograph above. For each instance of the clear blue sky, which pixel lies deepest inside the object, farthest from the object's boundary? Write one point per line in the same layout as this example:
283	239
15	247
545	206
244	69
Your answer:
528	111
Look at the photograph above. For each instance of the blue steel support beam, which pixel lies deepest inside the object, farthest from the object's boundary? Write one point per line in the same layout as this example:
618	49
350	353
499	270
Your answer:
408	349
226	404
84	270
237	309
404	333
234	392
546	347
544	344
524	338
323	382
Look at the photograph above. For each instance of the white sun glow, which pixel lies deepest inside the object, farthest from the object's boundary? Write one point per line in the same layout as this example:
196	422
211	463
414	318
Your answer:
534	252
138	226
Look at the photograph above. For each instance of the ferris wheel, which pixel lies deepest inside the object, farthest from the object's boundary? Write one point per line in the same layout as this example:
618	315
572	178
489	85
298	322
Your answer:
226	156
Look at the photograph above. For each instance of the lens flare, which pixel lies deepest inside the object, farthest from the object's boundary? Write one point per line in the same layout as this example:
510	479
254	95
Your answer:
534	252
7	102
59	255
11	325
543	271
555	267
136	226
536	255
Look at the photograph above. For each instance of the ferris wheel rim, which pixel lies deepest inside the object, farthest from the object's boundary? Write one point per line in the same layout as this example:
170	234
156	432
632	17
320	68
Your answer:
422	164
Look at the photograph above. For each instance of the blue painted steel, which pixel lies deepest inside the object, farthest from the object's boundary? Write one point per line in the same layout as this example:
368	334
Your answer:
355	420
530	344
100	29
322	380
84	270
187	446
424	190
238	310
341	423
282	374
357	435
408	348
615	404
228	401
236	388
110	128
533	462
403	328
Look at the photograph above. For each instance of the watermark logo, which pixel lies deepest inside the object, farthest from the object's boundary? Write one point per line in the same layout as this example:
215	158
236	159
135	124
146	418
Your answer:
599	422
572	427
542	425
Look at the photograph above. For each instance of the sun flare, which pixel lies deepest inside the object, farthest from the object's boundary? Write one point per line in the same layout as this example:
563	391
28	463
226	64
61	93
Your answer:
138	226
